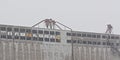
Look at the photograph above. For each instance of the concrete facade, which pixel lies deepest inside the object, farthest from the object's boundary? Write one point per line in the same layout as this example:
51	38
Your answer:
17	49
30	50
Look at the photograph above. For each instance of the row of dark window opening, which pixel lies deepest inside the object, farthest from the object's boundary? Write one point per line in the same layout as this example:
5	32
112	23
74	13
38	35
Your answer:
29	31
30	38
92	35
92	42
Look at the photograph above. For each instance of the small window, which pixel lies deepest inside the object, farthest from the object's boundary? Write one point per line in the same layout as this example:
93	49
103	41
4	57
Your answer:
46	32
57	33
104	43
34	38
28	38
89	42
94	43
28	30
74	41
94	36
52	40
34	31
40	32
117	44
116	37
83	35
79	41
3	29
84	42
98	43
57	40
78	34
9	37
108	37
51	32
40	39
16	37
88	35
108	43
22	38
112	37
16	29
68	34
22	30
3	36
104	37
47	39
98	36
73	34
9	29
68	41
112	44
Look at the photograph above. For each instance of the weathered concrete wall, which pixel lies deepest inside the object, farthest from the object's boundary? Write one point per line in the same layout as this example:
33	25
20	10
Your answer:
83	52
29	50
34	50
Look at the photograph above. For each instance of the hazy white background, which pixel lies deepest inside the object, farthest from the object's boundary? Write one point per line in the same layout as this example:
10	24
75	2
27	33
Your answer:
82	15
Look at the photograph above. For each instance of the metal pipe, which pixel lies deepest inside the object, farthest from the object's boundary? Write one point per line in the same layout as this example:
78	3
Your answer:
38	23
64	25
58	27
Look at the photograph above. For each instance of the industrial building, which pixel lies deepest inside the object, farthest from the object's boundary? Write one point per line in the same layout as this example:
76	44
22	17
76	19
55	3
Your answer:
33	43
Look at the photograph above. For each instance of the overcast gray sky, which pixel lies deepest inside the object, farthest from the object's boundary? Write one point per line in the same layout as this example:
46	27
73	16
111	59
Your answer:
82	15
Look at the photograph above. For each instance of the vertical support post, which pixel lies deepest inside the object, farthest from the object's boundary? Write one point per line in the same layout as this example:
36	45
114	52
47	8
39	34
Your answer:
13	46
72	53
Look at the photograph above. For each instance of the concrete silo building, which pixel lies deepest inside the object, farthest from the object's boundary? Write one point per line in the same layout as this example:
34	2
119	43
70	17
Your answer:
31	43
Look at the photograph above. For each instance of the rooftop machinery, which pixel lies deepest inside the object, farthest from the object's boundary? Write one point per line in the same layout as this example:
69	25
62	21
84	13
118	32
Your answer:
114	48
52	24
